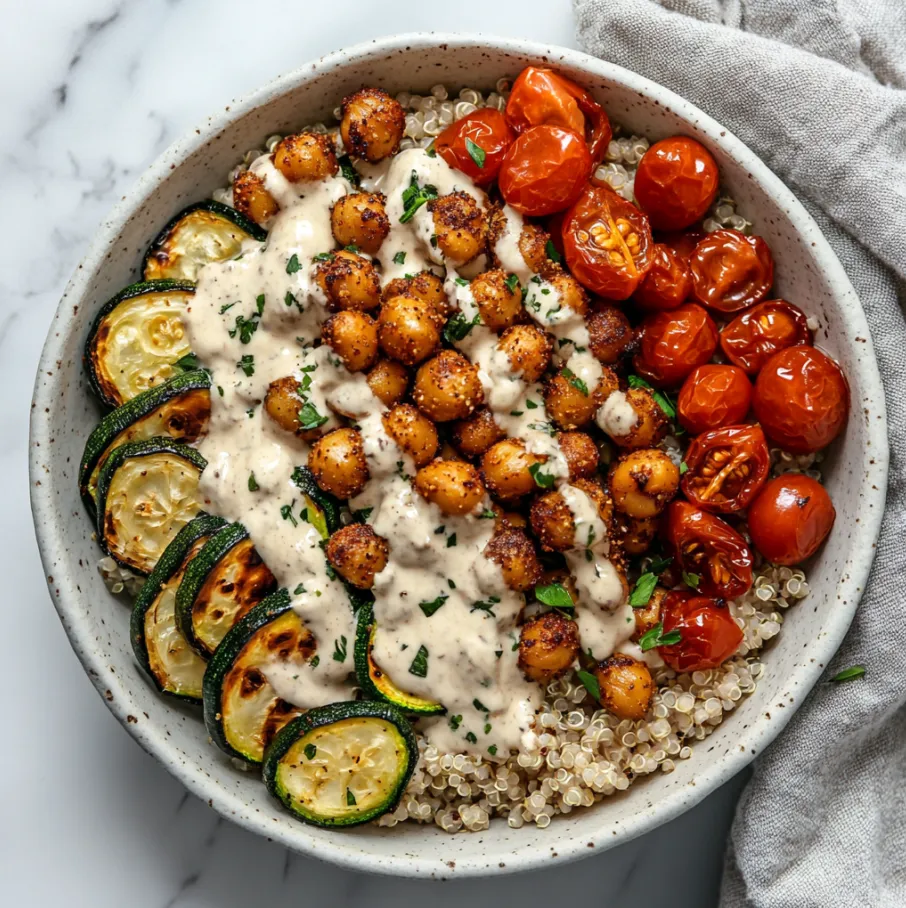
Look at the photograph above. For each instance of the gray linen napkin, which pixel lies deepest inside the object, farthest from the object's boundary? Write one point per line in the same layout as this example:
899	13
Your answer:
817	88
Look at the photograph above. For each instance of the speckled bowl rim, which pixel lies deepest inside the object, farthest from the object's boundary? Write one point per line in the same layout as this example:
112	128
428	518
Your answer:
52	541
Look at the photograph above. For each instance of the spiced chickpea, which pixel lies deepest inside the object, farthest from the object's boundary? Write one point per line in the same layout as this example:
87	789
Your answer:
460	226
282	404
372	124
626	686
337	461
554	523
528	349
353	336
358	554
548	646
412	431
507	469
650	425
512	549
453	485
359	219
581	454
251	198
638	534
475	434
498	297
408	329
389	381
610	334
571	293
349	281
532	243
447	387
570	406
425	285
306	157
643	482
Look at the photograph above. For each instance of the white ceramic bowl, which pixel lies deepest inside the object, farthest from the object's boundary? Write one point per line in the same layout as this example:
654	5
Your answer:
808	273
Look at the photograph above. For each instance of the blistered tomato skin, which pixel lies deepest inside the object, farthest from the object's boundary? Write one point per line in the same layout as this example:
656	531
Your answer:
726	468
791	518
544	170
713	396
706	546
486	128
801	399
753	336
676	182
710	636
731	271
682	242
668	282
542	97
672	344
607	243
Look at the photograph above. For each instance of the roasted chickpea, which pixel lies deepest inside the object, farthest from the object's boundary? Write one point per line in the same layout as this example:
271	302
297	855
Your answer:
447	387
610	334
647	616
359	219
642	482
306	157
349	281
571	293
412	431
638	534
425	285
353	336
569	406
372	124
408	329
453	485
282	404
358	553
498	297
507	469
548	646
338	463
528	349
509	520
473	436
460	225
251	198
514	552
532	243
650	424
389	381
581	454
553	521
626	686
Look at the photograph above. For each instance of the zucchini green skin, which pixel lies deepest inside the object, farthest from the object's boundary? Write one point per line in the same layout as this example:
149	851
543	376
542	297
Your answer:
137	449
127	414
330	506
224	211
127	293
327	715
172	558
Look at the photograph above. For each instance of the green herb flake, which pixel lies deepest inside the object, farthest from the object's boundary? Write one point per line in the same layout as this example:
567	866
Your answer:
247	364
245	328
531	405
429	608
658	565
226	307
642	590
487	515
339	649
574	380
350	798
293	265
492	750
555	595
299	590
349	172
310	751
316	661
431	151
660	399
462	282
414	196
451	584
399	258
590	682
551	251
259	304
419	666
362	514
455	722
309	417
457	327
480	706
512	283
542	480
657	637
253	483
451	541
486	605
286	512
352	248
470	737
691	580
290	299
683	468
853	673
188	363
476	153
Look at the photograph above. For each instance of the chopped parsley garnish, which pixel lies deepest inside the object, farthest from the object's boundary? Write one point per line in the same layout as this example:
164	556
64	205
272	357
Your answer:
658	565
480	706
516	412
462	282
849	674
352	248
253	483
414	196
486	605
259	304
220	390
470	737
492	750
309	417
247	364
310	751
657	637
555	595
401	470
439	530
451	541
187	363
542	480
551	251
362	514
339	649
660	399
590	682
322	257
691	580
293	265
245	328
299	590
512	282
316	661
226	307
350	798
286	512
399	258
458	327
455	722
642	590
290	300
431	151
683	467
476	153
349	172
451	584
419	666
531	405
487	515
574	380
429	608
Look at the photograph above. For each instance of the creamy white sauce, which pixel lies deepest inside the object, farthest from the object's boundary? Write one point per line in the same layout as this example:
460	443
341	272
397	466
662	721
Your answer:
616	416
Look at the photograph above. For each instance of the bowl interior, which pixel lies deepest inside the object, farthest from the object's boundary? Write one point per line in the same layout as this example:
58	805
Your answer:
807	274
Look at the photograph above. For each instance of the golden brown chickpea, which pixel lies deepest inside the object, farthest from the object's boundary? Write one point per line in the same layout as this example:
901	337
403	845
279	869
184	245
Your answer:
498	297
513	551
569	406
338	463
412	431
349	282
447	387
610	334
358	553
648	616
353	336
548	646
460	225
389	381
372	124
359	219
572	294
642	482
306	157
453	485
532	243
626	686
651	421
528	349
553	521
509	520
638	534
251	198
473	436
425	285
408	329
507	469
282	404
581	454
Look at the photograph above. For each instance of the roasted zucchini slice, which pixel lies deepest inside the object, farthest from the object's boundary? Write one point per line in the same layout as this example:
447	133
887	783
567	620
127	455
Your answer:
147	492
323	509
343	764
202	233
375	683
242	711
159	647
136	340
179	409
222	582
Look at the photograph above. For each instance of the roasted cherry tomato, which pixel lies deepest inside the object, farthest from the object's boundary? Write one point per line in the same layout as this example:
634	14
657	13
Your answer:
682	242
541	97
708	551
750	339
801	399
725	468
672	344
676	182
709	633
667	283
607	242
731	271
544	170
713	396
790	518
490	136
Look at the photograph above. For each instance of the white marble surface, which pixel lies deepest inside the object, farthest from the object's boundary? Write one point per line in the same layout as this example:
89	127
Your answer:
92	91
